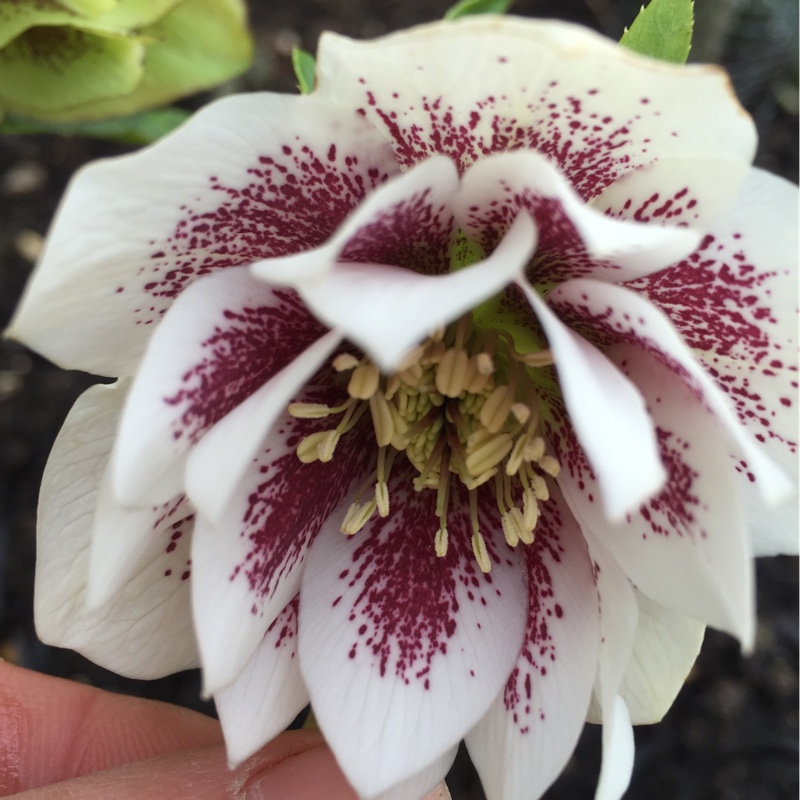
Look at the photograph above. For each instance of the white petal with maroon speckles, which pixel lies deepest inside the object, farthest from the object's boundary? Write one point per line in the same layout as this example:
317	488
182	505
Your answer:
532	727
123	536
406	222
224	338
387	310
268	693
247	564
735	303
402	651
145	630
487	84
664	651
608	314
686	546
608	415
575	240
246	178
218	461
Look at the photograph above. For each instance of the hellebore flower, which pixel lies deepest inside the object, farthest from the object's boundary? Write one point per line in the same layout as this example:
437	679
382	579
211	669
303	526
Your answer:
75	60
502	302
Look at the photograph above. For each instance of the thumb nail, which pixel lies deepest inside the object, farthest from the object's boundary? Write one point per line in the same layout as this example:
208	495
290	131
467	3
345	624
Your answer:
441	792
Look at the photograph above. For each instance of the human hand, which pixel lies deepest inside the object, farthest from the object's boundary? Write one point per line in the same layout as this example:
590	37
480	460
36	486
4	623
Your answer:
61	740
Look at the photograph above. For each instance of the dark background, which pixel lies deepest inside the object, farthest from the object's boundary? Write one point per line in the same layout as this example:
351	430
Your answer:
732	734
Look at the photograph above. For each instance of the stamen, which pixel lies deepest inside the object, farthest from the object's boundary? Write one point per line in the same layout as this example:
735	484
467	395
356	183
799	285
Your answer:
344	362
356	517
451	374
550	465
440	542
489	454
497	407
382	498
382	420
478	544
364	381
308	449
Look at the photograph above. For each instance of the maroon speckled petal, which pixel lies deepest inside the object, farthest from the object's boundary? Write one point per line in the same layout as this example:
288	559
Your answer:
402	651
481	86
685	547
225	337
607	315
249	177
529	732
248	563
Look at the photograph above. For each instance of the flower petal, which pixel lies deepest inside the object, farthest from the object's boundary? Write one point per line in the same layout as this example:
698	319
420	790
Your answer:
406	222
402	651
742	324
607	314
145	630
246	178
686	546
268	693
613	428
247	564
224	338
236	439
575	240
664	651
386	310
524	740
595	109
618	747
418	786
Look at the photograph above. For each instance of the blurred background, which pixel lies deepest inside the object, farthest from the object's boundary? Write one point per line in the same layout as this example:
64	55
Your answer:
732	734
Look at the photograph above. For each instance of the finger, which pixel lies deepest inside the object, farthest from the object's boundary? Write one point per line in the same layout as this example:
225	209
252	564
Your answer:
295	766
53	729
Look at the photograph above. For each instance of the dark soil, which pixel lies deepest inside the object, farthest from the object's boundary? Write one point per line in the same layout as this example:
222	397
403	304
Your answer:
732	734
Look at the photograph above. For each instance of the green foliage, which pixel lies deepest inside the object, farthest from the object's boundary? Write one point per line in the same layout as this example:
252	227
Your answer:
138	129
663	30
466	8
304	69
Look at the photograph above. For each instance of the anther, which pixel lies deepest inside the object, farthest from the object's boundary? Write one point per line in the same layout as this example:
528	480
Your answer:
382	498
381	419
356	517
344	362
364	381
451	372
310	410
489	454
550	465
497	407
440	542
308	449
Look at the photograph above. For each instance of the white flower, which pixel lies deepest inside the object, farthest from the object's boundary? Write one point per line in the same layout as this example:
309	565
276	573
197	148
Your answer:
460	205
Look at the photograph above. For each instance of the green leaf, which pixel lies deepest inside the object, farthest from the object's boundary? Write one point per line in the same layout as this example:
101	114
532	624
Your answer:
138	129
466	8
305	69
663	30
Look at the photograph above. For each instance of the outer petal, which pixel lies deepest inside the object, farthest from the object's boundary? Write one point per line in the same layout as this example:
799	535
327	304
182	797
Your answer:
686	546
575	240
246	178
597	110
522	743
418	786
402	651
386	310
145	630
664	650
735	302
247	564
225	337
613	428
607	314
268	694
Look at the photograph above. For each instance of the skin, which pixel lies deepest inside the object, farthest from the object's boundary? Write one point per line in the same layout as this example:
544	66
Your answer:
61	740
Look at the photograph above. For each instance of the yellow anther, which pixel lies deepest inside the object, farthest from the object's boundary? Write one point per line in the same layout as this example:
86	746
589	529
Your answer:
521	412
550	465
344	362
481	553
327	445
484	364
440	542
497	407
489	454
410	359
474	483
542	358
534	449
356	517
477	382
525	531
381	419
411	376
308	449
310	410
451	372
510	529
393	383
382	498
540	488
530	509
364	381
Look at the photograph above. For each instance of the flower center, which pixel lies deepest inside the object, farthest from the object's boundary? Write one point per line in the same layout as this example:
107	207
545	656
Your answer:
462	405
